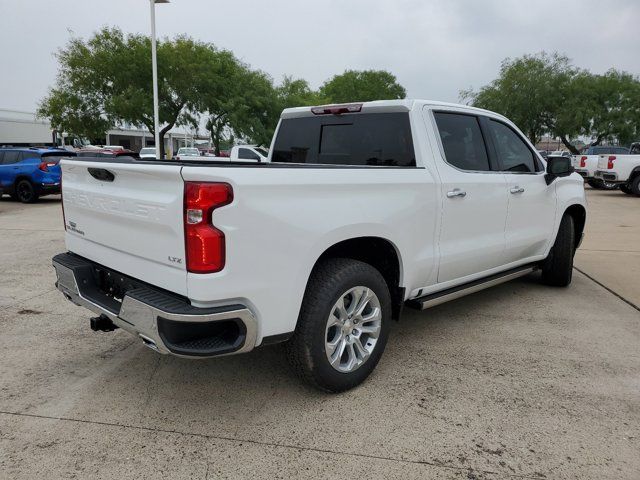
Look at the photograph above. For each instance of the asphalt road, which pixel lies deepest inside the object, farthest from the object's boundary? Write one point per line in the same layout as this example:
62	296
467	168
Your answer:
520	381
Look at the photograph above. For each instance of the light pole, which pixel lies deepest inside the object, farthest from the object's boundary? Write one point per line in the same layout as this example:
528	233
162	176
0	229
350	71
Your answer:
154	66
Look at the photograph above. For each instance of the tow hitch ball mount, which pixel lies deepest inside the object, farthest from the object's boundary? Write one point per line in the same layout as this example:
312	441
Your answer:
102	324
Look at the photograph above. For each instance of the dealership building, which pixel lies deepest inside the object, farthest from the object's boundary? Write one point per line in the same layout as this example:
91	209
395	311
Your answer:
26	129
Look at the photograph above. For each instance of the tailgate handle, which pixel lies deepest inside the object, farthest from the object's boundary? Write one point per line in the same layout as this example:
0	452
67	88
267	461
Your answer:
101	174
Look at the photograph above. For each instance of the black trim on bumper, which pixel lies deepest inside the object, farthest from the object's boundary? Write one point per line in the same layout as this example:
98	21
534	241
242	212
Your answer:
165	321
107	287
48	189
202	339
273	339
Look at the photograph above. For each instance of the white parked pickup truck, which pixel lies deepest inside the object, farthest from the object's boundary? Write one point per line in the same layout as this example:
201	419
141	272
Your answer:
587	164
360	210
239	153
623	170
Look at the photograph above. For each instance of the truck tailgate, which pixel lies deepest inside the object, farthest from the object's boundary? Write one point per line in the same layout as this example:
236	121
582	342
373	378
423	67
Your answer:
129	217
603	162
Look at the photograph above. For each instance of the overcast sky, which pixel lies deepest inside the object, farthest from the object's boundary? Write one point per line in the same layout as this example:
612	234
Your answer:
435	48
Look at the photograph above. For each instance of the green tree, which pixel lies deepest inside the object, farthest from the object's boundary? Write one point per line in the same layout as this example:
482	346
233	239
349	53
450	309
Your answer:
244	105
546	94
528	91
363	86
69	112
297	93
108	79
615	102
600	107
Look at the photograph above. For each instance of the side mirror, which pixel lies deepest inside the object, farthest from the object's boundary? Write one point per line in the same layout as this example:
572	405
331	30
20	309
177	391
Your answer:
558	167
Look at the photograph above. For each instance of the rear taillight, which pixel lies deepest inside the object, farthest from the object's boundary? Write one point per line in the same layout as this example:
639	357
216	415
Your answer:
337	109
204	244
44	166
610	162
583	162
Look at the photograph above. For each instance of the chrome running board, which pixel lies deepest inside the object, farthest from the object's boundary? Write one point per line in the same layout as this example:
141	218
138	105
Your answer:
437	298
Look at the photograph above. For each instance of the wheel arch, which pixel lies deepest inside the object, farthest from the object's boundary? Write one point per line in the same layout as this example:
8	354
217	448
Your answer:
380	253
634	173
579	215
21	177
12	188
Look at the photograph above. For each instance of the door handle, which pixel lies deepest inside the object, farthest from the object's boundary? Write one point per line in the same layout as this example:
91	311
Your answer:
456	192
517	189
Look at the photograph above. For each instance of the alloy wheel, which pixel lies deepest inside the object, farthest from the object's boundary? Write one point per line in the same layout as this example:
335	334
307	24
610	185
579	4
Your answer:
353	328
24	192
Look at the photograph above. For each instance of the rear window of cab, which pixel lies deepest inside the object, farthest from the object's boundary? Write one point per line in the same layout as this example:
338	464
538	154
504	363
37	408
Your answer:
364	139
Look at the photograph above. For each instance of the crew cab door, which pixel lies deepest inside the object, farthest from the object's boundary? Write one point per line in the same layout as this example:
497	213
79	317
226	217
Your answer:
474	199
532	203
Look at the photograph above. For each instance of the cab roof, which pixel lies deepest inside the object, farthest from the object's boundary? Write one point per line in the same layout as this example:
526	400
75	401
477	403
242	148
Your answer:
381	106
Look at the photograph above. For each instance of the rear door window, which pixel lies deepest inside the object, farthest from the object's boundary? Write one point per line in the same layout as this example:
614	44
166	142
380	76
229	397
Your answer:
11	157
513	152
462	141
26	155
373	139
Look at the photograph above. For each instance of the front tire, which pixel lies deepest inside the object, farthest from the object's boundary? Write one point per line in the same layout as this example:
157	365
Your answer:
343	325
557	268
25	192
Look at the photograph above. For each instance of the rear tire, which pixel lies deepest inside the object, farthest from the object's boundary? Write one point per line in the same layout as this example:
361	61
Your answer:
634	185
343	325
557	268
25	192
624	188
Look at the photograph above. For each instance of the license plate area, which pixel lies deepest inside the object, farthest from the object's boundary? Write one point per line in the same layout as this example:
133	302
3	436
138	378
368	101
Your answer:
112	284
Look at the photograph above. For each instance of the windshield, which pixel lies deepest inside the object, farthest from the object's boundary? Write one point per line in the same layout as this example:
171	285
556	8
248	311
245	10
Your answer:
189	152
148	150
262	151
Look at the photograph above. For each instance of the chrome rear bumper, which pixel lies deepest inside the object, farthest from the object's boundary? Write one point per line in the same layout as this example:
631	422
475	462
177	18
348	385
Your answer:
165	323
606	176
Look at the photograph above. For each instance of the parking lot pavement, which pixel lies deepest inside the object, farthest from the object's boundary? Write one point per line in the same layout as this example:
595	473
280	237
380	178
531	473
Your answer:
519	381
611	249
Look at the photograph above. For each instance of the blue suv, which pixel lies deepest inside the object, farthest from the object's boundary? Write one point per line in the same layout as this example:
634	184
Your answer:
29	173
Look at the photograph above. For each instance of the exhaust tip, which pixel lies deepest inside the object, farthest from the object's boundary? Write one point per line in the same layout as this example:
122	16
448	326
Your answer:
148	342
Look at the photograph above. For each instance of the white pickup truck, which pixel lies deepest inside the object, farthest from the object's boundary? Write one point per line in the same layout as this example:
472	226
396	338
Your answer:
359	210
622	170
587	164
239	153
